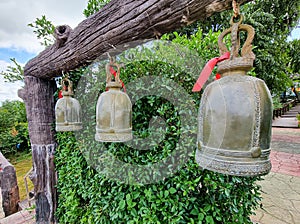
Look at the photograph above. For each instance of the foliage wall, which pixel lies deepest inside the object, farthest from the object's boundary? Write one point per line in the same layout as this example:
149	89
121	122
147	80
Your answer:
190	196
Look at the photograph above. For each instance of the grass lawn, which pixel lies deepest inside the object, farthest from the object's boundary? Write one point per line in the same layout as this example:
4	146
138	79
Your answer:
22	163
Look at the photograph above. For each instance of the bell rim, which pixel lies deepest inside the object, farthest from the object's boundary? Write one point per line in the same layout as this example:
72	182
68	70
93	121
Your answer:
74	126
113	130
113	137
256	167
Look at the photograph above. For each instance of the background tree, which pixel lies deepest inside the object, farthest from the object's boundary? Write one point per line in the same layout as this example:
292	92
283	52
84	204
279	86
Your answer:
44	29
13	128
94	6
14	72
294	56
294	65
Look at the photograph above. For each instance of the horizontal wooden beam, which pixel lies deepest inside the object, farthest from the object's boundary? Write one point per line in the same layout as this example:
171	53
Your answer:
118	23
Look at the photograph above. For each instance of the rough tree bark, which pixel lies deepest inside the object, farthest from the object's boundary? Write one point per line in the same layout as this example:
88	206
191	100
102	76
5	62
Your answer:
39	100
117	24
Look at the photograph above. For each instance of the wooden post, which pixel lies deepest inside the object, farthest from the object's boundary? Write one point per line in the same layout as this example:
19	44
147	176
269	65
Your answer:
9	187
39	100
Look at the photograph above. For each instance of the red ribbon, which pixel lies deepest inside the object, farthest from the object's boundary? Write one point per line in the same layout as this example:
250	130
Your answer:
207	70
60	94
114	73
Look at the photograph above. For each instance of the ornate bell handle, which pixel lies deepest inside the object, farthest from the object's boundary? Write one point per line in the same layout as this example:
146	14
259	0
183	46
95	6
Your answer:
247	48
109	74
67	88
234	30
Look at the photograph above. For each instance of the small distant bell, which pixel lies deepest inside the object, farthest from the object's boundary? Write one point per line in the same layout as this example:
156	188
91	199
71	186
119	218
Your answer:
235	117
113	111
67	110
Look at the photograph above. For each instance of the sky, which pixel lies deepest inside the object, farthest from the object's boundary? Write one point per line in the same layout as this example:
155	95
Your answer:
17	39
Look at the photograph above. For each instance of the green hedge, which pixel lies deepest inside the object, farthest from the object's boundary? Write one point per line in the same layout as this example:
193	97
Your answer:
190	196
92	188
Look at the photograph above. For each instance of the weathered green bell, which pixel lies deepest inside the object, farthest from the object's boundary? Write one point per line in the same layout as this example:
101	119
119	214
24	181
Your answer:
113	111
235	117
67	110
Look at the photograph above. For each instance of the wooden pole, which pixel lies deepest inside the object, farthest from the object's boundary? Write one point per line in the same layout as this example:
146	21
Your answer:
39	100
118	23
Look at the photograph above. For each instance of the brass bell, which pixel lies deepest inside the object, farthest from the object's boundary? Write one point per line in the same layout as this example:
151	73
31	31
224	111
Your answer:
235	117
113	111
67	109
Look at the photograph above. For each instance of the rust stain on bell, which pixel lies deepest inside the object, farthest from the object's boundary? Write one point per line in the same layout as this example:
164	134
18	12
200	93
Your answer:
113	111
235	117
67	110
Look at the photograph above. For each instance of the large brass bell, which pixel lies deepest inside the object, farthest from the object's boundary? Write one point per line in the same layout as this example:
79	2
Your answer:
113	111
67	109
235	117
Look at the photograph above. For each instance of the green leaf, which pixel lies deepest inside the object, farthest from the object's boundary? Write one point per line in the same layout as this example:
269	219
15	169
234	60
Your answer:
172	190
166	193
122	204
209	219
200	216
195	211
227	192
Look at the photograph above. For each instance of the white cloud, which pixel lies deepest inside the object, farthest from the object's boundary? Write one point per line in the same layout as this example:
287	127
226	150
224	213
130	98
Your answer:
15	15
20	41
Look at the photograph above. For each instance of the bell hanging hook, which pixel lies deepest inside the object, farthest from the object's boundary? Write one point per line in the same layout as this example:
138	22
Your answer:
112	60
64	75
236	9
